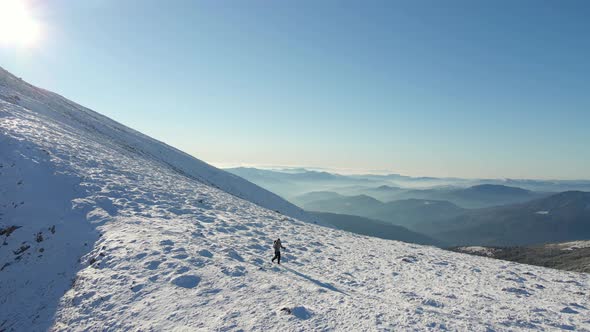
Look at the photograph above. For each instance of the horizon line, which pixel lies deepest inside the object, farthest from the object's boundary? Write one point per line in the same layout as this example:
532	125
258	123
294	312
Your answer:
356	171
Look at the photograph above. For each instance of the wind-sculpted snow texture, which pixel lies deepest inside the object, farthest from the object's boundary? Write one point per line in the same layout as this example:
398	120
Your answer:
113	234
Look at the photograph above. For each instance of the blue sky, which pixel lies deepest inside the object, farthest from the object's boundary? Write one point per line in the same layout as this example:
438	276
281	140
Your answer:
439	88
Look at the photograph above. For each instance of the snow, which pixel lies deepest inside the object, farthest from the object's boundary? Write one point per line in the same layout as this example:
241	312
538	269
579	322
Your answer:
184	281
571	245
485	251
148	238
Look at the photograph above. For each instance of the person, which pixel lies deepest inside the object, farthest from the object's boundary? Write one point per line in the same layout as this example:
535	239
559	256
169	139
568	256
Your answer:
277	247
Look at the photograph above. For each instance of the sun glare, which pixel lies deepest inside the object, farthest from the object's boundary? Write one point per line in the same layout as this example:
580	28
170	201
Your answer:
18	26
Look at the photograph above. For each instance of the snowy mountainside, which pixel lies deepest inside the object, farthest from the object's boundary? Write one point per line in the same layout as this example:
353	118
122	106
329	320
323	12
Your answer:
98	128
104	234
64	170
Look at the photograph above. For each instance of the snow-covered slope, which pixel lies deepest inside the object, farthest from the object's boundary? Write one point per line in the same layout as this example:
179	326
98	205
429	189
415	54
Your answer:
88	125
121	232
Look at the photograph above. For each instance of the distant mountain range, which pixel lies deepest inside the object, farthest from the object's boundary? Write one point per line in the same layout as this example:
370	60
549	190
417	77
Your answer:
375	228
560	217
466	193
409	213
360	205
485	195
450	211
571	256
299	181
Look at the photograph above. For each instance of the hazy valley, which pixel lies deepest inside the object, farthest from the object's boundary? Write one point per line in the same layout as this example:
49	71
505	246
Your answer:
448	212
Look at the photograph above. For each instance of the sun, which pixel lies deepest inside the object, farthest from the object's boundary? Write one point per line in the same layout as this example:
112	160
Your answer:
18	26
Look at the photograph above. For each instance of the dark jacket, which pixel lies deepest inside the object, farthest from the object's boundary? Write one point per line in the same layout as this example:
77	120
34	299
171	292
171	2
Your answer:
277	245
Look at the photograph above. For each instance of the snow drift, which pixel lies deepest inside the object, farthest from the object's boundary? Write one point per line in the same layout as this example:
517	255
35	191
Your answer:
103	228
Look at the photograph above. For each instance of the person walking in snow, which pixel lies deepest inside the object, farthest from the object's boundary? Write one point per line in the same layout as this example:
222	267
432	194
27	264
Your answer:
277	247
